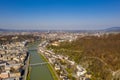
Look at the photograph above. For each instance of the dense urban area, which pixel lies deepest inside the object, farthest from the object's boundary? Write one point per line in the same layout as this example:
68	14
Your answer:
66	55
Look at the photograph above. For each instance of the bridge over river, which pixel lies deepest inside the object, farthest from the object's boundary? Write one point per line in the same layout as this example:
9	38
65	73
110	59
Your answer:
38	72
35	64
32	49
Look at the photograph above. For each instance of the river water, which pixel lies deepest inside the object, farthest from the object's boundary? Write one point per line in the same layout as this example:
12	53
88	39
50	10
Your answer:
38	72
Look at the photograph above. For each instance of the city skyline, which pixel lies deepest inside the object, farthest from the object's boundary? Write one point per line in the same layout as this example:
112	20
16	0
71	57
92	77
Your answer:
59	14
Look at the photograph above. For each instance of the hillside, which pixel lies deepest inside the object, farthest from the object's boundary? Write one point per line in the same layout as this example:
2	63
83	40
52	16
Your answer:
99	55
113	29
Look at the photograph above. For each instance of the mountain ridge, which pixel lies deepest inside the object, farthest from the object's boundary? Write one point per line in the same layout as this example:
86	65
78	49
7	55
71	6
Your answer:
111	29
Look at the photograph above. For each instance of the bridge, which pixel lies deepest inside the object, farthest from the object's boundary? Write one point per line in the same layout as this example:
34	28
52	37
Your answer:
42	63
33	49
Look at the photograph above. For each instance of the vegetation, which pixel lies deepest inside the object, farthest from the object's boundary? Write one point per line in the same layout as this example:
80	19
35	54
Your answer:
99	55
28	74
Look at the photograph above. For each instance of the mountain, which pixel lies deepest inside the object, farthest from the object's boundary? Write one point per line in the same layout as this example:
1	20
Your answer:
112	29
8	30
15	30
1	30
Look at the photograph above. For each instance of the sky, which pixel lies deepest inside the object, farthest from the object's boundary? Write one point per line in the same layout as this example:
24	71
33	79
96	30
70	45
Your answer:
59	14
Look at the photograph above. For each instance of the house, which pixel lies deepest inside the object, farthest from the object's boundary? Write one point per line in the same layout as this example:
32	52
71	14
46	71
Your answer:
16	75
66	57
52	60
88	75
55	43
80	73
2	63
62	76
82	78
57	67
16	59
80	70
65	78
16	66
7	68
60	57
4	75
71	62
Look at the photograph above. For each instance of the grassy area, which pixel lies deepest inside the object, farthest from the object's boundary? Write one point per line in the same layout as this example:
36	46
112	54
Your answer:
28	74
54	74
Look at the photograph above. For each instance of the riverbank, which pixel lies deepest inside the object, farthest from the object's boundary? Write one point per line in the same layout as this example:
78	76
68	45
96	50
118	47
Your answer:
26	68
28	74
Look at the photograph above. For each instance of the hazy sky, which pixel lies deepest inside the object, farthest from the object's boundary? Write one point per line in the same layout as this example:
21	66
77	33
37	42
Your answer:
59	14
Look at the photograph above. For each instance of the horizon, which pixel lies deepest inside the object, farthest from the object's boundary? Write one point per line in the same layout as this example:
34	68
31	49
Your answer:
60	29
59	14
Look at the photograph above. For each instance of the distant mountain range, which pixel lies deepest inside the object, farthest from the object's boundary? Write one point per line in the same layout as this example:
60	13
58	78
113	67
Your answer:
13	30
112	29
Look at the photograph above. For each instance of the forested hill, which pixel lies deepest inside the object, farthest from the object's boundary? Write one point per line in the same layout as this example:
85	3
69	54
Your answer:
99	55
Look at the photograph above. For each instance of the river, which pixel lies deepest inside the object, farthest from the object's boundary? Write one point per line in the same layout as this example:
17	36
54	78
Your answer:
38	72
